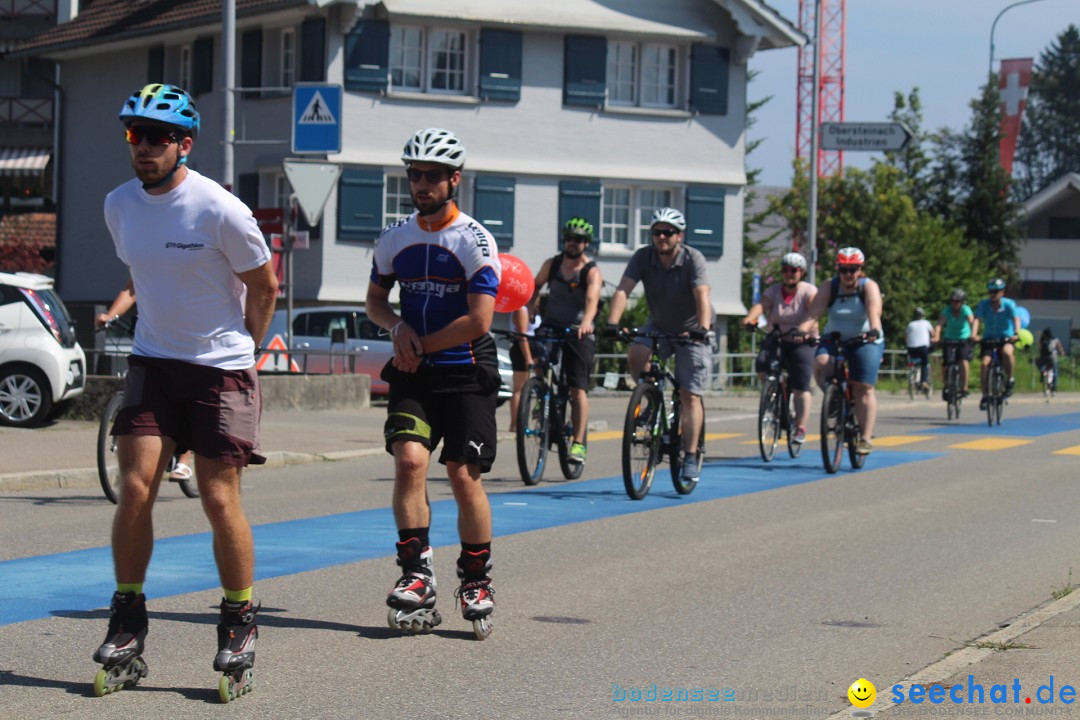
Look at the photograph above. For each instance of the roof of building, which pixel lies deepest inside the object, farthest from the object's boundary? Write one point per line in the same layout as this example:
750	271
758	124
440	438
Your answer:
1053	193
38	228
107	21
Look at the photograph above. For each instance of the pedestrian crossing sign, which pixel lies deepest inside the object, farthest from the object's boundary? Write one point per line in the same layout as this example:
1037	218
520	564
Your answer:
316	118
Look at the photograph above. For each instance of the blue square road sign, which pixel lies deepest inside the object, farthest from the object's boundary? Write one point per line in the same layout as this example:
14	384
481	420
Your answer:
316	126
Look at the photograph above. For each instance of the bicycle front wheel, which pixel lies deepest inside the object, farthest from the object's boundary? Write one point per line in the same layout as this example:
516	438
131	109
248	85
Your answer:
685	486
532	431
769	419
832	427
852	434
641	439
108	466
1000	395
564	438
992	397
912	381
793	448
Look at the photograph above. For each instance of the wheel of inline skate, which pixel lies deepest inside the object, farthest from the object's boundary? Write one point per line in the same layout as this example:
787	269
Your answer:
483	627
119	677
100	688
234	685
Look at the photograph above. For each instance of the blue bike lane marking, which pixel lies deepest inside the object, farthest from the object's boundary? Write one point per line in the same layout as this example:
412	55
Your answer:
1028	426
82	580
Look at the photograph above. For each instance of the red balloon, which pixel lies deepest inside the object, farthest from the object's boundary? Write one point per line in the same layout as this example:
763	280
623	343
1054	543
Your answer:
516	286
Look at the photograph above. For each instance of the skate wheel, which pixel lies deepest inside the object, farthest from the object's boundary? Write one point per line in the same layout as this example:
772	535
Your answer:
391	619
231	686
483	627
119	677
100	686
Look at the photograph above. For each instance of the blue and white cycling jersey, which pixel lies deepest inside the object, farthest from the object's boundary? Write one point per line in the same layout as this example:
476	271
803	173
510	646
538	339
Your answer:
437	268
997	324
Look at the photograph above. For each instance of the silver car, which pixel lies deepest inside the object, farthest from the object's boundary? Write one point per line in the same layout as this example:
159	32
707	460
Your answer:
341	339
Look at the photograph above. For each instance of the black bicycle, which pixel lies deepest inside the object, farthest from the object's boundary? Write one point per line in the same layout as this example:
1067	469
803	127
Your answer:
995	380
776	411
653	429
542	419
839	424
107	463
954	389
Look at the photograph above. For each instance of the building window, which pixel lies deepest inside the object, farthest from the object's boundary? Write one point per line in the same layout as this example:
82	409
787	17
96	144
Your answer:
642	75
626	213
288	57
398	201
424	60
185	66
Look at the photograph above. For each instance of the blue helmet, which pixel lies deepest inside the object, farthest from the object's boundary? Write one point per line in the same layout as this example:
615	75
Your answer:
164	103
995	284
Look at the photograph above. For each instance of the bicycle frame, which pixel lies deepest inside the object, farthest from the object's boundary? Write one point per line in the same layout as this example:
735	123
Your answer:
846	429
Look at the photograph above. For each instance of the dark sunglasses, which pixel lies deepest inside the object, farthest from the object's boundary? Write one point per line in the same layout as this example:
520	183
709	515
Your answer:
664	233
152	135
434	177
575	238
848	269
789	268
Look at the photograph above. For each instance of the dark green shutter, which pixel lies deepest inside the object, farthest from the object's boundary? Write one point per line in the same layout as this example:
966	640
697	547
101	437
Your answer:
313	50
202	66
709	70
367	56
251	61
500	65
705	219
579	198
493	206
155	64
584	70
360	204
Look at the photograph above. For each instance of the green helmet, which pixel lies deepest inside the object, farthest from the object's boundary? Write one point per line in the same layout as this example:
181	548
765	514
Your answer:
578	226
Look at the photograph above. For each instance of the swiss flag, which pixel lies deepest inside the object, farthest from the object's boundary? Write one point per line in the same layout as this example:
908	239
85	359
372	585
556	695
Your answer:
1014	80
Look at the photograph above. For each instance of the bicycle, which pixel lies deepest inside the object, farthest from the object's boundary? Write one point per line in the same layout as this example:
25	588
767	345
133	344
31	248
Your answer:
776	411
914	382
542	418
1047	371
995	381
652	429
839	424
954	391
107	464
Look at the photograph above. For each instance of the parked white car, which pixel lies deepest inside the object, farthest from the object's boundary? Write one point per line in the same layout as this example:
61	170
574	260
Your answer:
341	339
41	364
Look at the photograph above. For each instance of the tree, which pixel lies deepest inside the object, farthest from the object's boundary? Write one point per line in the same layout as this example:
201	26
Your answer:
1049	142
912	161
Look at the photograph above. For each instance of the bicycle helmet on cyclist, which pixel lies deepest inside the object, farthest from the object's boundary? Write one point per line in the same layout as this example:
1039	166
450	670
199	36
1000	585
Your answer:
958	295
795	260
919	313
435	145
162	103
850	256
995	285
578	226
671	216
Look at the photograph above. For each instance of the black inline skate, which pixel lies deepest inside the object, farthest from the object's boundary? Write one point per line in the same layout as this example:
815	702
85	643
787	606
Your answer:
237	633
121	653
477	595
412	601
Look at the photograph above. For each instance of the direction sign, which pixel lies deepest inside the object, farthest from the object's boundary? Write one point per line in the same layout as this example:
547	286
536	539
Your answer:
312	182
868	136
316	118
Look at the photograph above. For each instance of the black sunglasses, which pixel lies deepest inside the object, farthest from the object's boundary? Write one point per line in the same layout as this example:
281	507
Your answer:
789	268
153	135
848	269
575	238
657	232
433	177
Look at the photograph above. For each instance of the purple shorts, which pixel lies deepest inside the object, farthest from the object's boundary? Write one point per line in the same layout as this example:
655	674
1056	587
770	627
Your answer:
212	411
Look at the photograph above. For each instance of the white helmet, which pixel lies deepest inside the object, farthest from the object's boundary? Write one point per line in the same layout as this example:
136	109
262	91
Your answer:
670	216
794	259
435	145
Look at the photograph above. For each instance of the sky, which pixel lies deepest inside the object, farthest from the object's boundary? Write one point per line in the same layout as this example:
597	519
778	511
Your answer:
940	46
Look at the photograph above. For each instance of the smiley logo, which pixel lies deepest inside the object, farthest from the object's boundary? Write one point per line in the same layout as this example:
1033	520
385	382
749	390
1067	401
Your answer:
862	693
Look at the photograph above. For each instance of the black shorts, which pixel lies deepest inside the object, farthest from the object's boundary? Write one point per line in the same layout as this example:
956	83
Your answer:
453	405
955	350
798	357
577	360
517	358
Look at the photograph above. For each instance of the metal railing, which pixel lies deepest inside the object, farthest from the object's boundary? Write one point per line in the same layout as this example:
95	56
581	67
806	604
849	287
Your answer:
26	111
14	9
114	362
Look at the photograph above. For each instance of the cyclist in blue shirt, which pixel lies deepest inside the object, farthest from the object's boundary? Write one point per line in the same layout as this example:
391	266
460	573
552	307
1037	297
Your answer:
997	318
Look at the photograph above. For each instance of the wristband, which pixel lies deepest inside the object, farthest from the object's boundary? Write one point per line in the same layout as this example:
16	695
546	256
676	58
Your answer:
258	350
395	327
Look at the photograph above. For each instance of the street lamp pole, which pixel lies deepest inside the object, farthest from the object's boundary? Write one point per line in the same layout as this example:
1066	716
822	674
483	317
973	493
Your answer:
993	27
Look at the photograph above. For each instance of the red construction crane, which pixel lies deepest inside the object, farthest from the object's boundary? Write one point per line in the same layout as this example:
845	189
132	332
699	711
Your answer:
831	88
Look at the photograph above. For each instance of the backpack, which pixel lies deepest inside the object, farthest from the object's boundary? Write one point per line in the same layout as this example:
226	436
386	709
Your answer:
860	290
554	276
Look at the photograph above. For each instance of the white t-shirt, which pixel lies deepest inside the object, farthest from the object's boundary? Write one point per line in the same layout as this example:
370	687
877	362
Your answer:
183	250
918	333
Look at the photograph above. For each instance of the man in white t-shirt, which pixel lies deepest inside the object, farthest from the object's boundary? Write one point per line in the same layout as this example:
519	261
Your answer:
917	338
200	271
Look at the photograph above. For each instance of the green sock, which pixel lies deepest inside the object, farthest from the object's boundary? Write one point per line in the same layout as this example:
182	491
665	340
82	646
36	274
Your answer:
129	587
238	596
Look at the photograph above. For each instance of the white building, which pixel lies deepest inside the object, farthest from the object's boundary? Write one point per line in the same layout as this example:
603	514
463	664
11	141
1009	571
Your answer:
567	107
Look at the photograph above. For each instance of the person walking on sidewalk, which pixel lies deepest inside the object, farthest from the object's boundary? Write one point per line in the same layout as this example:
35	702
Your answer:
443	377
574	283
201	272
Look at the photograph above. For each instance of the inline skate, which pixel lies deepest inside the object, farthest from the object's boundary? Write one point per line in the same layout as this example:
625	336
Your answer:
237	633
412	601
121	653
476	594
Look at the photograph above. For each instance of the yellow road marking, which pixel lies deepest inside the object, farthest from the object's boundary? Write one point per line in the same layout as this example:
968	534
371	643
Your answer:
896	440
1074	450
991	444
809	439
722	436
617	435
